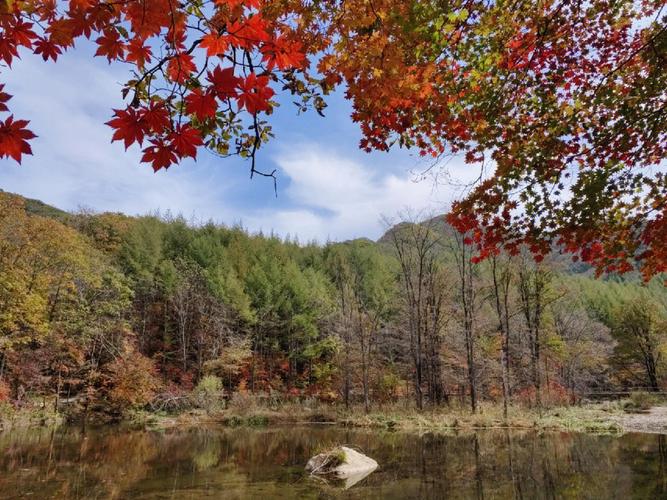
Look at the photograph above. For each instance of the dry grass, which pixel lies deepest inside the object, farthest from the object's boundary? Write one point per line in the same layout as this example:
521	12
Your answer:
35	414
589	418
260	411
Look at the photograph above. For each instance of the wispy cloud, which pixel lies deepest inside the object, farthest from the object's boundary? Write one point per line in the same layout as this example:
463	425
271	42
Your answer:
337	198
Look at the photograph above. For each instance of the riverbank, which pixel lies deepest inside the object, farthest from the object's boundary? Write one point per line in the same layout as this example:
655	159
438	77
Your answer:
606	417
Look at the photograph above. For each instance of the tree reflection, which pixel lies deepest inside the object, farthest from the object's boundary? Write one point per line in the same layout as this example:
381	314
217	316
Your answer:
243	462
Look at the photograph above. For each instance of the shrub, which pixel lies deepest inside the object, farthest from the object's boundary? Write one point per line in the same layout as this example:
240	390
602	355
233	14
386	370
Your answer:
641	401
172	399
388	387
257	421
243	403
209	393
551	395
134	381
5	391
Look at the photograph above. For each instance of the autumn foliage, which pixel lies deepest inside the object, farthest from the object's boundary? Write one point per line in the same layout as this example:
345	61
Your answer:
105	313
560	105
201	71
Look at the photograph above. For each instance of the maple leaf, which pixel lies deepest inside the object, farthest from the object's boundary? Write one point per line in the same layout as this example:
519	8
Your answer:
180	67
138	53
47	49
255	93
214	44
130	126
185	140
14	138
110	46
22	34
176	37
78	23
79	4
284	54
251	4
249	32
147	18
159	155
8	50
156	117
4	97
201	104
224	82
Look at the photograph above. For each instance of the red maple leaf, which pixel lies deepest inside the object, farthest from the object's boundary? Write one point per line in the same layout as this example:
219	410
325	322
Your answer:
255	93
81	4
130	126
138	53
110	46
185	140
4	97
237	3
22	34
8	50
180	67
284	54
248	32
159	155
224	82
214	44
47	49
201	104
14	138
156	117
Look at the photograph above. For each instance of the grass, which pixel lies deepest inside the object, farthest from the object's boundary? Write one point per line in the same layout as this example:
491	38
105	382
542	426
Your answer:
31	415
249	411
591	418
594	418
640	402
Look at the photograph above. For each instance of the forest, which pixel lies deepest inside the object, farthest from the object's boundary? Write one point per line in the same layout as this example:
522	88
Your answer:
102	313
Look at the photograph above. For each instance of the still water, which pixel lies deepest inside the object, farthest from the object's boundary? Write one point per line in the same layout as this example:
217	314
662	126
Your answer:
264	464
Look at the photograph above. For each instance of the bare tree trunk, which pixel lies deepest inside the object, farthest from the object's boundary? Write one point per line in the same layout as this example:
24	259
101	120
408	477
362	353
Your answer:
533	286
501	283
463	256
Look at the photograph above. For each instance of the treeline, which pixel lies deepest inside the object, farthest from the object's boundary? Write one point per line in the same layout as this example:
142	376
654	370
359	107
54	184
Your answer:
104	312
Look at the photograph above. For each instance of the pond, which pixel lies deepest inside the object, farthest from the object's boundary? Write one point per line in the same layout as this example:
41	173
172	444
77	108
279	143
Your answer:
268	463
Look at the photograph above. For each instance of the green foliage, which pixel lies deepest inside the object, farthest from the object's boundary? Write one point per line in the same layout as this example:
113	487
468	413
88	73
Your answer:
208	393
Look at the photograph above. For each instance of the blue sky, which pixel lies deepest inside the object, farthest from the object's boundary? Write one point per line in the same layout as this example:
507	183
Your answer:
327	188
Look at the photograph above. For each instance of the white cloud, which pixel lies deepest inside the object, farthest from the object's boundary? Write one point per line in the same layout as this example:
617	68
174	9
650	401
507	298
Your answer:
339	198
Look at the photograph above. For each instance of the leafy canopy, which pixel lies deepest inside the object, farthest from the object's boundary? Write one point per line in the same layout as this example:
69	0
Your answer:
562	103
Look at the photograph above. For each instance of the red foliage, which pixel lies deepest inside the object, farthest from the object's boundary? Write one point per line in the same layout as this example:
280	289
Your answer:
244	44
14	138
5	391
551	394
582	112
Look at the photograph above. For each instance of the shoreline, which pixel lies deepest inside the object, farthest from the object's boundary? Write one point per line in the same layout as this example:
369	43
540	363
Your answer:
596	418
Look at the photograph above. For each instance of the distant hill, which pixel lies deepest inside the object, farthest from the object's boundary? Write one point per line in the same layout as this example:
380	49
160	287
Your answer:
37	207
561	261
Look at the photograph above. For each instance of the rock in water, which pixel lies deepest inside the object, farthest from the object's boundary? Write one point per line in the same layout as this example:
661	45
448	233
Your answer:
343	462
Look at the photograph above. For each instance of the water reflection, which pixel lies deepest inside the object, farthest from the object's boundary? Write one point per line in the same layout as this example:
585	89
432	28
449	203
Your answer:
247	463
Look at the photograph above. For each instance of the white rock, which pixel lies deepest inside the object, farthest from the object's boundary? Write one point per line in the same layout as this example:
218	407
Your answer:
354	468
354	463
